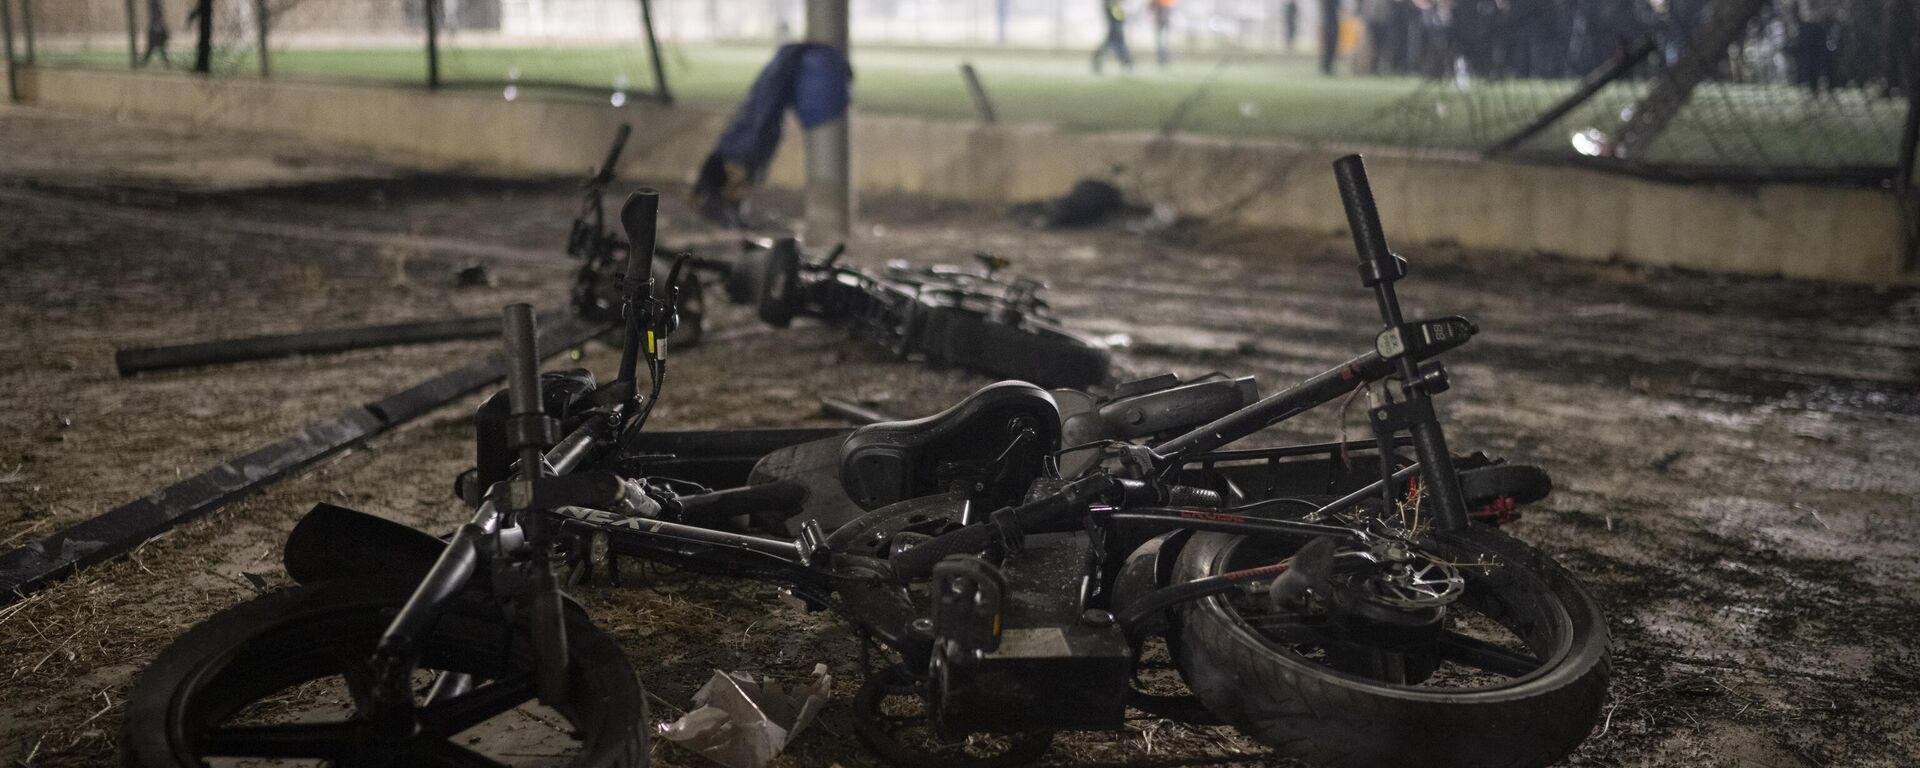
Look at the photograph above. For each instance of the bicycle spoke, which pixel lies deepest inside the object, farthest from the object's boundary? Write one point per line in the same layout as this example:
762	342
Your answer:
1480	654
469	709
309	740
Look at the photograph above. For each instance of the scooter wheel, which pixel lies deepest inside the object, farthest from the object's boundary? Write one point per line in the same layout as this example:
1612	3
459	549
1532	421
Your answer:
1514	678
285	678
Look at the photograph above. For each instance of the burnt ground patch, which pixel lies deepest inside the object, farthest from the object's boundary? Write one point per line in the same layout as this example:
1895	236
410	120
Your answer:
1752	543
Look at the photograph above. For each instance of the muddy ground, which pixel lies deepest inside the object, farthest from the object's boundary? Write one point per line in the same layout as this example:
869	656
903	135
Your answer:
1737	459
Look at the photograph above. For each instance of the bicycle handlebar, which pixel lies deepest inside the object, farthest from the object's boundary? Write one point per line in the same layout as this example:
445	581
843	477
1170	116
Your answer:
639	217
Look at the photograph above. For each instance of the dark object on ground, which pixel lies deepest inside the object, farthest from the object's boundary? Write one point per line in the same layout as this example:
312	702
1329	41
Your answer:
943	315
475	276
119	530
811	78
1393	607
1088	203
146	359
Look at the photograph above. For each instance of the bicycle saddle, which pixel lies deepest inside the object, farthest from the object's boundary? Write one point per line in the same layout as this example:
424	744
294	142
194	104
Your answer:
896	460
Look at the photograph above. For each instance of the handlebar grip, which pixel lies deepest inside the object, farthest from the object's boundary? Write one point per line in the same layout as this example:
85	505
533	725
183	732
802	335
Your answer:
640	217
613	152
918	563
522	358
1377	261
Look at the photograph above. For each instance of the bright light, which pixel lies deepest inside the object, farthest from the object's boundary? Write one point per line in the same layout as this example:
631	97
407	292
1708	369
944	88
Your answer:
1592	143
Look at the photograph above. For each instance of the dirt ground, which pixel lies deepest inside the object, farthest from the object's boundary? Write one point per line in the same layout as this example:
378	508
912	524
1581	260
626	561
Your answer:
1736	459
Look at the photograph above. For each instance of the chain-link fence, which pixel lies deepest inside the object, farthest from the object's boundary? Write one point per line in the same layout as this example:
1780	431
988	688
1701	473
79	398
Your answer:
1766	88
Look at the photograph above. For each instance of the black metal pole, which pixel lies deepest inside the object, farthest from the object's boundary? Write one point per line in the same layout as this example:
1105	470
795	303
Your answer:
1906	184
661	91
433	44
982	106
6	30
1379	268
133	37
118	531
262	16
203	49
1613	70
142	359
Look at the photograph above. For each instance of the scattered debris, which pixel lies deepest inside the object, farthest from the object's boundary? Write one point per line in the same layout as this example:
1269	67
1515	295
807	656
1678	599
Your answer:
739	723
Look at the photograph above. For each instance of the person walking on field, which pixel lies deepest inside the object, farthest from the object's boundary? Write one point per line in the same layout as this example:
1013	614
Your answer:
1290	21
1162	30
157	34
1116	41
1329	34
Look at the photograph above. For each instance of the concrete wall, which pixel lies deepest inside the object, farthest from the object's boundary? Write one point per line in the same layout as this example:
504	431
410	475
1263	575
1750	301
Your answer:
1797	230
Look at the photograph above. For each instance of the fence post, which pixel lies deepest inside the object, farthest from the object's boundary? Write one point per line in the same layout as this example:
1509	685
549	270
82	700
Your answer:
433	44
6	30
1725	21
829	185
661	91
26	26
133	37
261	19
203	47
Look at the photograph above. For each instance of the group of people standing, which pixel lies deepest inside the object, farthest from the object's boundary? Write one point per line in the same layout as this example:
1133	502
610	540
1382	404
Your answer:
1115	44
1818	43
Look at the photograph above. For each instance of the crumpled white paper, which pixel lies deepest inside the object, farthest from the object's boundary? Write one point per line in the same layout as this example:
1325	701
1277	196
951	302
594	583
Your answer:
739	723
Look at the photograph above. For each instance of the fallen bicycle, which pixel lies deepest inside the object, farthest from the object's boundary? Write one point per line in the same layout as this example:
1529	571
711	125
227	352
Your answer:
1006	560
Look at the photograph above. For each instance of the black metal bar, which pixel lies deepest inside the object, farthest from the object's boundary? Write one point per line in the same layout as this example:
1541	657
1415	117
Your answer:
262	18
1602	76
1339	504
1379	267
144	359
1909	151
661	90
640	218
1282	405
133	37
120	530
1289	451
982	106
433	44
1227	522
6	31
203	48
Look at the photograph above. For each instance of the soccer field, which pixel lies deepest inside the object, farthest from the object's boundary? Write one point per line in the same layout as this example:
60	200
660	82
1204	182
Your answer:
1240	96
1726	125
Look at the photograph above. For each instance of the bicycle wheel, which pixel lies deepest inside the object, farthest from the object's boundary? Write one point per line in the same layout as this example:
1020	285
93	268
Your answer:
283	679
1515	677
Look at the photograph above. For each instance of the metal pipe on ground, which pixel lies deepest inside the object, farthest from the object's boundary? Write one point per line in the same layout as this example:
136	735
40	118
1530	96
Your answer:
118	531
145	359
